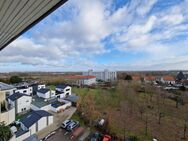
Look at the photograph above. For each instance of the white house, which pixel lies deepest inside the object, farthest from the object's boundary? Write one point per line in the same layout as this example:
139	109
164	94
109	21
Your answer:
168	79
60	105
33	123
105	75
82	79
25	90
63	91
40	86
21	102
45	93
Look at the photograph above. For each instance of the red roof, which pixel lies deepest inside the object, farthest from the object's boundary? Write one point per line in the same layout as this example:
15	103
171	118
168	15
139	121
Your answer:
185	82
149	78
136	77
79	76
168	78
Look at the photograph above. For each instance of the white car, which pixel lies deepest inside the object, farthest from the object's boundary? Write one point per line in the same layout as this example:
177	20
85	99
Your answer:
66	123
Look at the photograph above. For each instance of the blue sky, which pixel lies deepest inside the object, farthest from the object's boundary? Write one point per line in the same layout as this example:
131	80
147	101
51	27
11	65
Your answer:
99	34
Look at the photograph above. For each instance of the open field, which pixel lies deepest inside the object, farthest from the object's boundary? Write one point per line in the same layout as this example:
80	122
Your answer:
148	114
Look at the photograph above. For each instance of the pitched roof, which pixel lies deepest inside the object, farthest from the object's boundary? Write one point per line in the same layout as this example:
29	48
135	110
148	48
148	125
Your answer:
16	96
180	76
33	117
63	86
136	77
149	78
43	90
4	86
168	78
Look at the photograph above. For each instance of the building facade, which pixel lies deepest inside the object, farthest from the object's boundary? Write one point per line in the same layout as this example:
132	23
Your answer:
105	75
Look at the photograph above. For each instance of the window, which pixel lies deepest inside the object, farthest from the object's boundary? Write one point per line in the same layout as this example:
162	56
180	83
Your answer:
24	91
67	89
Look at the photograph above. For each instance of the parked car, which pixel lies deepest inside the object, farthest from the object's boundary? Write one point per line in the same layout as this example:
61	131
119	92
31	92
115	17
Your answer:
95	137
73	125
66	123
106	138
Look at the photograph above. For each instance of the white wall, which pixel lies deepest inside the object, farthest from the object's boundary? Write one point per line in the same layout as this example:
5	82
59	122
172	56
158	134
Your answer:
46	108
64	92
41	86
42	123
23	104
64	106
28	90
90	81
46	95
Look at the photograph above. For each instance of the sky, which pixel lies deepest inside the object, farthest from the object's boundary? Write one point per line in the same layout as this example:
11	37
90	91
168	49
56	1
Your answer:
98	34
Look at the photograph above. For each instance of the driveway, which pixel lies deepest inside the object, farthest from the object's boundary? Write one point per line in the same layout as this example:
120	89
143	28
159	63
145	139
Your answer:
58	119
60	135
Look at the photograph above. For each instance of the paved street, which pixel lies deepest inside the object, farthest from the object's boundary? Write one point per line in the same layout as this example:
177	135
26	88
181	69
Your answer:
58	119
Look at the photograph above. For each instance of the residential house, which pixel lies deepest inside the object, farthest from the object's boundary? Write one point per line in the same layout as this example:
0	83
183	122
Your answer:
46	93
33	123
21	102
55	105
36	87
105	75
168	79
7	113
80	80
63	91
25	90
149	79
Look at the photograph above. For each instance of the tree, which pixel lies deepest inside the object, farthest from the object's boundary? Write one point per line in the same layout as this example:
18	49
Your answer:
15	79
128	77
5	133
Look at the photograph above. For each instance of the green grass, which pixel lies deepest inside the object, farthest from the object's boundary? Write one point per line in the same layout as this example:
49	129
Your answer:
52	87
20	116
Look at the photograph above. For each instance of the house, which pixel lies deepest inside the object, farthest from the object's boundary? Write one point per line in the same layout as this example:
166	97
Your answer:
7	113
60	106
45	93
136	78
25	90
149	79
34	122
55	105
21	102
105	75
80	80
168	79
63	91
36	87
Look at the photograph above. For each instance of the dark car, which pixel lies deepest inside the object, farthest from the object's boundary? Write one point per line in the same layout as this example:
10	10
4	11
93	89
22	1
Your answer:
95	137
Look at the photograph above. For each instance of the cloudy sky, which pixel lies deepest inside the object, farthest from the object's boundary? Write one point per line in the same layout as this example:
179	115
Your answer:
98	34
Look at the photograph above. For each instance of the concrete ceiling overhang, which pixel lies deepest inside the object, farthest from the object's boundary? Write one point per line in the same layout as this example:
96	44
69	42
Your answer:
18	16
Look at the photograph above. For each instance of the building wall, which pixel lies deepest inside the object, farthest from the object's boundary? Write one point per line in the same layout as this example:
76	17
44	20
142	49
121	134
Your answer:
89	81
41	86
23	104
46	95
2	96
42	123
28	91
32	129
104	75
46	108
8	116
64	92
